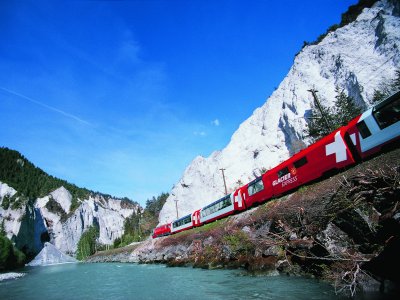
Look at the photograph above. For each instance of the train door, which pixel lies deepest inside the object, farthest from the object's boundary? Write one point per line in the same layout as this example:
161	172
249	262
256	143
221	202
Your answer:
238	201
196	218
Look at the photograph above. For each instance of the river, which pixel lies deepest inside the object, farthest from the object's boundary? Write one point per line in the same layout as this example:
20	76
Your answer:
133	281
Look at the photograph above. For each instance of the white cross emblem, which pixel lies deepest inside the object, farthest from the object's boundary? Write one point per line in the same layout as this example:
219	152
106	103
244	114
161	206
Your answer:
338	147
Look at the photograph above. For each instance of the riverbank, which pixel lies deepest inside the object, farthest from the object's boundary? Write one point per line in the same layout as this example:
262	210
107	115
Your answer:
344	229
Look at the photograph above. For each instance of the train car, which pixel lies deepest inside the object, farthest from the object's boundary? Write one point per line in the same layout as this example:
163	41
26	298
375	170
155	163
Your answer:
218	209
162	230
376	128
257	191
323	157
181	224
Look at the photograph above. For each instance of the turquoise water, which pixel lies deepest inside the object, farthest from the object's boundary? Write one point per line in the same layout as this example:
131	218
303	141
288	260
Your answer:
132	281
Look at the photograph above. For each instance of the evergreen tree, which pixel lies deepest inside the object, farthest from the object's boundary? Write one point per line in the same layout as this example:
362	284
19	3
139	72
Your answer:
6	253
345	109
325	120
386	90
396	82
320	121
378	96
2	229
87	243
10	257
155	205
141	223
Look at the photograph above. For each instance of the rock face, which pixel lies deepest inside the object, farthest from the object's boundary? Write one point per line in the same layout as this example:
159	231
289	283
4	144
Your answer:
108	215
49	219
358	57
50	255
11	216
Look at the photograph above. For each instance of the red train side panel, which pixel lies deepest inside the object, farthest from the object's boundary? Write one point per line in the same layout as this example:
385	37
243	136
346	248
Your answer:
329	153
257	191
162	230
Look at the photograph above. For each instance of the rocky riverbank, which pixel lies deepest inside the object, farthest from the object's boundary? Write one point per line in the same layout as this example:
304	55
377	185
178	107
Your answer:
344	229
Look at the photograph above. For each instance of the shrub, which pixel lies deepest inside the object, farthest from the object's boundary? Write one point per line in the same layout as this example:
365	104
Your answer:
239	243
87	243
10	257
6	202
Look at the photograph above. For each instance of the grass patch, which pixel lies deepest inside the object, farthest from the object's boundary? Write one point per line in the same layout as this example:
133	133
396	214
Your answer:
115	251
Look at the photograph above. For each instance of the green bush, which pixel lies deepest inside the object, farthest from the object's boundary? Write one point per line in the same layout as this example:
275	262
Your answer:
87	243
10	257
6	202
239	243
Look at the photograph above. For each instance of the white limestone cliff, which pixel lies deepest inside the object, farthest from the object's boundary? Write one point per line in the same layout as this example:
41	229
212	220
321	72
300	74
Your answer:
64	228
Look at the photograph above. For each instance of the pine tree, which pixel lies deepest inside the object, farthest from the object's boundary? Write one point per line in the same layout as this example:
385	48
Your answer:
345	109
396	82
323	121
387	89
378	96
319	121
10	256
2	229
87	243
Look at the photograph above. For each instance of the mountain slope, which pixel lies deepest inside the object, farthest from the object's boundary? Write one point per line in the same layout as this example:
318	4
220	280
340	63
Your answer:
36	208
358	58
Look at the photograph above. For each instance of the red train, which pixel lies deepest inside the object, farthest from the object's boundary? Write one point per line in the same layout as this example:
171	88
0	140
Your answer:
362	137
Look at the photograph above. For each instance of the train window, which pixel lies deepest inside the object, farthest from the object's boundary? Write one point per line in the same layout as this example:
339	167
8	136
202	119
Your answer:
216	206
301	162
255	187
182	221
283	172
388	114
363	129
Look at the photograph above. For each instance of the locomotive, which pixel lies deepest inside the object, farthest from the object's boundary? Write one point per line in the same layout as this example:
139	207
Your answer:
364	136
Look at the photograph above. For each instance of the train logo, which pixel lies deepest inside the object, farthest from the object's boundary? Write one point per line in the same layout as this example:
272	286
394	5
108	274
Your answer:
293	171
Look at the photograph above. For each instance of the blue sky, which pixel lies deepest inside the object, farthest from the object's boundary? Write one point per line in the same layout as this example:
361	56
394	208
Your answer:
120	96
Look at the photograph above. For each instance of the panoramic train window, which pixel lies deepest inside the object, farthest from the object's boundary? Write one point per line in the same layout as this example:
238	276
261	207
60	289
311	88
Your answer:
216	206
182	221
363	129
283	172
255	186
389	113
301	162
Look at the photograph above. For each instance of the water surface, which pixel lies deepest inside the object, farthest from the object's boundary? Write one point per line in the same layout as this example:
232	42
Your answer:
132	281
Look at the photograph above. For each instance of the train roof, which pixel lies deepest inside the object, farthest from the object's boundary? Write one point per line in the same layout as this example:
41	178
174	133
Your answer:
189	215
211	204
